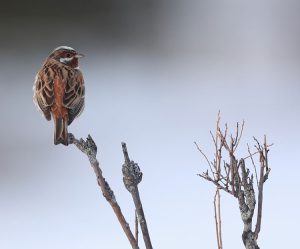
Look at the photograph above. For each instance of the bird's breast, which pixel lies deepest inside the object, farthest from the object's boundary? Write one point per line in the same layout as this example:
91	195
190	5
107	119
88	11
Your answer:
58	108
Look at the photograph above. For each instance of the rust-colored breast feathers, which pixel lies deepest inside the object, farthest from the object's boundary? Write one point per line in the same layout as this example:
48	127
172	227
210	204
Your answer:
58	109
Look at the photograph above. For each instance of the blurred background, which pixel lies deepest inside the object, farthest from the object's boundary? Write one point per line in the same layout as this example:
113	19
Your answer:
156	74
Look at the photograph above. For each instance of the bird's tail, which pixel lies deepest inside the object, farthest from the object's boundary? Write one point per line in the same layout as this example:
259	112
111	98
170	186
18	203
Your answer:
60	131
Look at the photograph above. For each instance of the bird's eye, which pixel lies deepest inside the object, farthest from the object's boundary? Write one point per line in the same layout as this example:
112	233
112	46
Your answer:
68	55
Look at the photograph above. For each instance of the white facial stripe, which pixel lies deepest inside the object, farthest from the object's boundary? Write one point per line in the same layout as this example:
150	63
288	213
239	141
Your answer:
64	47
67	59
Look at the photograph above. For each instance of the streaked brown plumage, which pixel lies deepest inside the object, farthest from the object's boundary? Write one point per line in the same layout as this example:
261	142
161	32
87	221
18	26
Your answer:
59	90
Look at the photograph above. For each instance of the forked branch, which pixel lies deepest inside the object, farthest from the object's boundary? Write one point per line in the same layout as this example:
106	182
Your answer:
237	180
89	148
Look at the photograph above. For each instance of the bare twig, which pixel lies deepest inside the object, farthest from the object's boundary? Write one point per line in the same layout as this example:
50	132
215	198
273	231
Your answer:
219	219
203	154
254	166
257	152
89	148
239	136
216	220
218	185
213	138
218	147
136	223
217	211
218	179
235	178
264	172
132	176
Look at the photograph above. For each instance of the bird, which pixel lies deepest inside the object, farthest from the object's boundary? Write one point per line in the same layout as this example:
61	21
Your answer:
59	90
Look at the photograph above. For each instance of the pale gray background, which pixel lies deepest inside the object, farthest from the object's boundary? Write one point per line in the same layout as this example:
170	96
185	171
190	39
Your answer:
156	73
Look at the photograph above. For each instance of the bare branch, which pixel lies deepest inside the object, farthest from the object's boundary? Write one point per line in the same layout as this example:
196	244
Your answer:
132	176
236	179
257	146
216	220
89	148
213	138
136	223
254	166
252	154
264	172
215	182
206	158
223	137
239	137
266	150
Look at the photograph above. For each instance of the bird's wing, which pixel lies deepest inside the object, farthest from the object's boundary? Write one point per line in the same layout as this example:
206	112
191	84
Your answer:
43	89
74	95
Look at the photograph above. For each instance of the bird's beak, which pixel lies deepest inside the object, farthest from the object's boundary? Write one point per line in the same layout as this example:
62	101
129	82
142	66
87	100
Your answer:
79	55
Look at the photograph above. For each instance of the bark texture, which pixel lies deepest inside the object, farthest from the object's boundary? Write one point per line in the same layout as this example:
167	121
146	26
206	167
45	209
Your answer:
132	176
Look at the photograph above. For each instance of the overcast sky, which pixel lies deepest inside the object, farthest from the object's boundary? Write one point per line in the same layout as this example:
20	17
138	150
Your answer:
156	74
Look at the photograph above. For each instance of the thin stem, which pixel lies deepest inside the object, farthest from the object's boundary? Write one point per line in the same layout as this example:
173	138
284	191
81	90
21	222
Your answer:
216	219
219	218
217	211
254	166
132	177
136	223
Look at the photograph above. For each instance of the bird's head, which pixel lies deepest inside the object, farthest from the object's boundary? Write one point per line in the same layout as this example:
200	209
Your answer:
67	56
